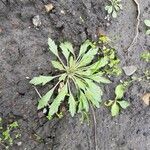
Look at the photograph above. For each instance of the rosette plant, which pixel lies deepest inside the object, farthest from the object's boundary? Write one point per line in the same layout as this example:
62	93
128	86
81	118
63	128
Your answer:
78	81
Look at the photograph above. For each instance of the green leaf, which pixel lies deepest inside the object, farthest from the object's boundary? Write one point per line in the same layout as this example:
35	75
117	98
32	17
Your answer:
57	65
90	97
124	104
63	77
84	101
65	51
57	101
84	47
110	9
41	80
119	91
69	46
80	106
114	14
147	22
107	7
71	61
14	125
88	57
95	89
99	79
52	47
93	93
99	64
45	99
80	83
114	109
148	32
117	7
72	104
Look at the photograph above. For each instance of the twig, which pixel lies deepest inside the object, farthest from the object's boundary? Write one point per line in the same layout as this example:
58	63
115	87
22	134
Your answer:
95	127
137	26
37	92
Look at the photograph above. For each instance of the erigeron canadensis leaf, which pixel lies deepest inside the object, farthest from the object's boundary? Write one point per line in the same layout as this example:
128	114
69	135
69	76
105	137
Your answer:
72	104
95	89
84	100
119	91
80	83
65	51
57	65
53	108
84	47
91	98
99	79
69	46
99	64
53	47
41	80
45	99
88	57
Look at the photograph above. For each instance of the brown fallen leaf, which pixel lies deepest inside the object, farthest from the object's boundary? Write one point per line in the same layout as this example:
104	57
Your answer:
146	98
49	7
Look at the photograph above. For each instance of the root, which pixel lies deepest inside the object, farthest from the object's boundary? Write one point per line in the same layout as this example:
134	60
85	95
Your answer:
95	127
137	26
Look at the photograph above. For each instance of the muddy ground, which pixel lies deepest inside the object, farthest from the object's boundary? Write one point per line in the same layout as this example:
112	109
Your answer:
24	53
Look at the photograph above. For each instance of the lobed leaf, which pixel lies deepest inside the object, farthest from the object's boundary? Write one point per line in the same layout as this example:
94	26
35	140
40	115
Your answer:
99	64
69	47
72	104
99	79
57	65
57	101
88	57
52	47
45	99
95	89
84	47
84	101
41	80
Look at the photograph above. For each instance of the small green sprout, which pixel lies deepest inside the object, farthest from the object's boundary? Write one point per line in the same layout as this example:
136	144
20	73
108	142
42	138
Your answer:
114	7
147	23
119	102
145	56
6	140
78	81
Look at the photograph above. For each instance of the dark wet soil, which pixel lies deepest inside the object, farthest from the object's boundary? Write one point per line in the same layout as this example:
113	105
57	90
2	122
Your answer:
24	53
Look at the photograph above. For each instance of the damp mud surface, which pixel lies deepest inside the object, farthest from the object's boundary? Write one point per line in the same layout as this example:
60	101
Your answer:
24	53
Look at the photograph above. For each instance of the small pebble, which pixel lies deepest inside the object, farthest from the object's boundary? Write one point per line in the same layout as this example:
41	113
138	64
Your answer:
19	143
49	7
36	21
129	70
